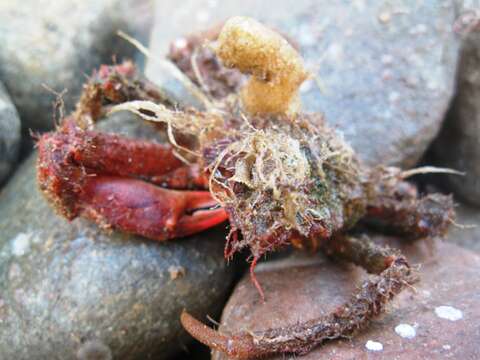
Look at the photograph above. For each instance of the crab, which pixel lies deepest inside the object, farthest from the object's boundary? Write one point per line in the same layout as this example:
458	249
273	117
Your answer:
280	177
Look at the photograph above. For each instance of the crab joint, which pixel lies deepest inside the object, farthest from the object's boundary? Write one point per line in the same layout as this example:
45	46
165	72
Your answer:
276	67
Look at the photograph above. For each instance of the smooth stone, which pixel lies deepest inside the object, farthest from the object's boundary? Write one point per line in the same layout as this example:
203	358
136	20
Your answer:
73	291
383	72
9	134
57	44
443	309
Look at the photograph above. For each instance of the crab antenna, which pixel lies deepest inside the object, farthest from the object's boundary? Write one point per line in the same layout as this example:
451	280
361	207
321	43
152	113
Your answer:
430	170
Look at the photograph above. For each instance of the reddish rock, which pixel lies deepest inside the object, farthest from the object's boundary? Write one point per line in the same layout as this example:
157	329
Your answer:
438	320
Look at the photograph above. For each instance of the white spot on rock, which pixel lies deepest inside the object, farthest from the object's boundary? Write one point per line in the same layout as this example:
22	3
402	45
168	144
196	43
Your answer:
374	345
21	244
448	313
405	331
384	17
446	347
180	43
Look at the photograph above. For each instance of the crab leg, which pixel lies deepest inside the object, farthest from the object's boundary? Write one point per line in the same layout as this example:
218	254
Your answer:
396	206
100	176
429	216
114	85
394	275
113	154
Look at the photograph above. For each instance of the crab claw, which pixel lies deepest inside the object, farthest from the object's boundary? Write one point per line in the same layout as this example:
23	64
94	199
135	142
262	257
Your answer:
102	177
138	207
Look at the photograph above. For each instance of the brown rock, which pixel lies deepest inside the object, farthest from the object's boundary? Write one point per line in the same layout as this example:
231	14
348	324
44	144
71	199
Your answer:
299	289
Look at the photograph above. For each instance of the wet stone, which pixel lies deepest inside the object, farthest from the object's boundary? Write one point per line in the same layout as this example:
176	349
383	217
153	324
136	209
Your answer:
382	72
437	320
57	43
9	134
72	291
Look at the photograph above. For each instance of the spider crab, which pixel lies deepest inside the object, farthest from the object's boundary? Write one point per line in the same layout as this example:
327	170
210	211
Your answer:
279	176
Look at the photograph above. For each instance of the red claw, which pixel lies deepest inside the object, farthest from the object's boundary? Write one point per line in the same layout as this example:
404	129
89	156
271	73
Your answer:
99	176
137	207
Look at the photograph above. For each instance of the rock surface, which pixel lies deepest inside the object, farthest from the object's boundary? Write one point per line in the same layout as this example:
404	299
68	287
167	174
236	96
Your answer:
9	134
467	233
439	320
57	43
70	290
458	146
383	72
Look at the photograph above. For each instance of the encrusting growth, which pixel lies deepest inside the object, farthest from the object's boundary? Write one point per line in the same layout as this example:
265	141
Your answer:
279	176
276	68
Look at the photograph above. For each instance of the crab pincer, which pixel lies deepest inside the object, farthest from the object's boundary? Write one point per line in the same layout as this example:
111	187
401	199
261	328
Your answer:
108	178
141	208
